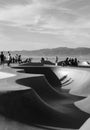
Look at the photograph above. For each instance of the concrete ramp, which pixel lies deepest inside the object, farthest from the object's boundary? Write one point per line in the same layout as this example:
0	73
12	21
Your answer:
60	89
84	64
78	80
86	125
27	107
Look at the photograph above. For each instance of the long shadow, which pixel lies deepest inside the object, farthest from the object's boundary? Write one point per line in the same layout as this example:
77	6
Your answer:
38	63
67	112
49	74
56	86
50	77
26	107
43	104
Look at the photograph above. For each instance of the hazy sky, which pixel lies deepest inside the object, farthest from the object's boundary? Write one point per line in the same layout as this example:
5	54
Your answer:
36	24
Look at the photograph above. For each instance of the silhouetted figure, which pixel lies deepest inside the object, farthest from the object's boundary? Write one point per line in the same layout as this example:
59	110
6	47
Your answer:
76	62
16	58
72	62
13	60
56	61
9	59
67	61
42	61
19	59
2	57
30	60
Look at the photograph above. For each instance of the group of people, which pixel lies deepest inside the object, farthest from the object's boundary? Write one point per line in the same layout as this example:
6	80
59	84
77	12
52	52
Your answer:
71	62
46	61
9	58
3	58
67	62
18	59
27	60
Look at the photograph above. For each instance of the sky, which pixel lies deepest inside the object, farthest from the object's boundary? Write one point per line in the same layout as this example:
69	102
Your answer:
37	24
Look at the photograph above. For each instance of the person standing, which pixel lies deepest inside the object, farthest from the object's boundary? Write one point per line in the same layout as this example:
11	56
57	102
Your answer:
2	57
9	58
56	61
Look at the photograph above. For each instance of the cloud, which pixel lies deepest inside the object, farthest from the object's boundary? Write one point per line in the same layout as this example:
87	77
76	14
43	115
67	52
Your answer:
19	14
36	13
14	2
45	17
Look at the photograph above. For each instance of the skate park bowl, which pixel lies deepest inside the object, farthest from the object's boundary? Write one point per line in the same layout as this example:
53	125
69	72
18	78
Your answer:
83	64
48	97
57	97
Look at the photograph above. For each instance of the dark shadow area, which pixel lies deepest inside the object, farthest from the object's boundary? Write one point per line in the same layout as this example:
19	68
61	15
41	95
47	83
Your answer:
50	78
49	74
47	62
63	104
27	107
46	103
67	81
32	64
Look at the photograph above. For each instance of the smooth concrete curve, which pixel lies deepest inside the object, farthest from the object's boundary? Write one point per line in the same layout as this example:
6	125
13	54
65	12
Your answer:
51	88
76	80
84	63
86	125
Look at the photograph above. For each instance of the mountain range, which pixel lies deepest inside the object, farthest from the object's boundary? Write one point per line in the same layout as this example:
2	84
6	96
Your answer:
60	51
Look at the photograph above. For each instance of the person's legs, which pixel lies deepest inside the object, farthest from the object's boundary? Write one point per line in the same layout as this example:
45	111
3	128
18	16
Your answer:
2	63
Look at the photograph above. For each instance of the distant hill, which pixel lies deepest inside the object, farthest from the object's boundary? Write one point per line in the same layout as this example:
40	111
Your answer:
60	51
